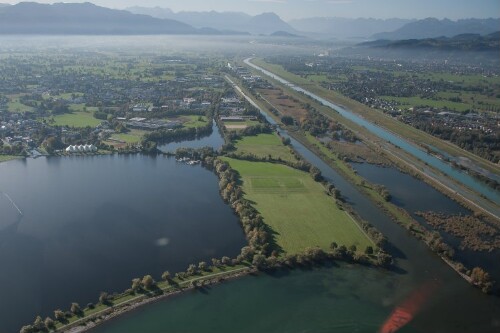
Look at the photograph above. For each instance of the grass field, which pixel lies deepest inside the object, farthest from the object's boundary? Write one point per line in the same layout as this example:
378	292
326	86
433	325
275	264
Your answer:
133	136
82	108
239	125
297	208
16	106
263	145
195	121
5	158
76	119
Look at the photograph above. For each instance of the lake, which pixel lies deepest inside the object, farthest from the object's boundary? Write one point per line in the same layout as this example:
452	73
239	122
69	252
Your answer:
344	298
92	224
213	140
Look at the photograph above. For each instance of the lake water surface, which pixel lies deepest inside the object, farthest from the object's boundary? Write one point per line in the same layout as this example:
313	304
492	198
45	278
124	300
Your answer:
213	140
92	224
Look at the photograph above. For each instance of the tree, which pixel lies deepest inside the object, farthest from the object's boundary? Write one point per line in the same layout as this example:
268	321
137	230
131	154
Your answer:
246	253
369	250
191	269
165	276
26	329
136	284
384	259
59	315
353	248
216	262
104	298
334	245
202	266
287	120
75	308
49	323
39	325
259	261
148	282
226	261
482	279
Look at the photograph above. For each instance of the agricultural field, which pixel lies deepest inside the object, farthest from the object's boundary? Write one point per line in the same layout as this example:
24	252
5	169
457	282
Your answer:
75	119
297	208
285	104
264	145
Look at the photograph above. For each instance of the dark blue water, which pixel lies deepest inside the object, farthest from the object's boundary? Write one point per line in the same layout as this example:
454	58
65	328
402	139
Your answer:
92	224
214	140
414	195
456	174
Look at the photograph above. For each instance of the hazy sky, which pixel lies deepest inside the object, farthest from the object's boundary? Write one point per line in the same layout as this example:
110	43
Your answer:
288	9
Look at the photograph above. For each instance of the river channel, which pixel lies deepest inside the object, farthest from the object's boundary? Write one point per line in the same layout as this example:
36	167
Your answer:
433	161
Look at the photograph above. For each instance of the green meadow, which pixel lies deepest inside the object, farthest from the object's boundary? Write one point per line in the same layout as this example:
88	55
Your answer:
297	208
263	145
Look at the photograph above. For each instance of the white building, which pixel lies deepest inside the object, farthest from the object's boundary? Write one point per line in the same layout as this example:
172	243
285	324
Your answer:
81	149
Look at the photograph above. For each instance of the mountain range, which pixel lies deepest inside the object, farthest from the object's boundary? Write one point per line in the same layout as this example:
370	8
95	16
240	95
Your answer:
431	28
462	42
82	18
470	49
86	18
266	23
342	28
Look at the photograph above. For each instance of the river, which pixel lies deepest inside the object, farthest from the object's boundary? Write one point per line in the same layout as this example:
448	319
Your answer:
415	195
396	140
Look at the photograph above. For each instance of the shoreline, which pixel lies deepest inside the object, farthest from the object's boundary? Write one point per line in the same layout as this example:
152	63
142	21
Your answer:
90	322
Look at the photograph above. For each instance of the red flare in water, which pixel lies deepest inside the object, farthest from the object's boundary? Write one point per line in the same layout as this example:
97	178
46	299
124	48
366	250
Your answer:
406	311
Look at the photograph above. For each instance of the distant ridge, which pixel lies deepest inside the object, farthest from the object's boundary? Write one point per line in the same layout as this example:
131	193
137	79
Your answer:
340	27
266	23
432	28
284	34
462	42
82	18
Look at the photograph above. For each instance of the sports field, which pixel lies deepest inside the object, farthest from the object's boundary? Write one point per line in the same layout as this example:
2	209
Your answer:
297	208
77	119
263	145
